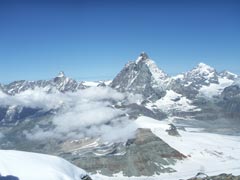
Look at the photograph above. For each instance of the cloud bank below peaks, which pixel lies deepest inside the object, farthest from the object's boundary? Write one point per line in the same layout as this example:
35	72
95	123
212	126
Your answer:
85	113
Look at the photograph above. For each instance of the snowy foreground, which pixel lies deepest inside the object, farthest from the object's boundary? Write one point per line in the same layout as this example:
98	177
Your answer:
210	153
33	166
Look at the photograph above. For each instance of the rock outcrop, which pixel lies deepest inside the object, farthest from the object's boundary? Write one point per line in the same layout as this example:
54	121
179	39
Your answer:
145	155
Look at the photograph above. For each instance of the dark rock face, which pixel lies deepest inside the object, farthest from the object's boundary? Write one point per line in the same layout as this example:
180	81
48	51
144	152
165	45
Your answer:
141	77
231	92
172	131
86	177
218	177
146	155
230	102
101	84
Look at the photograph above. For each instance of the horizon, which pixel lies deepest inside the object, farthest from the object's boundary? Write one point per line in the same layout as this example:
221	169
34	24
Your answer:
92	40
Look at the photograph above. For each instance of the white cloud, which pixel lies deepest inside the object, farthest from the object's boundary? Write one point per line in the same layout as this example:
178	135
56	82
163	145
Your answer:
86	113
37	98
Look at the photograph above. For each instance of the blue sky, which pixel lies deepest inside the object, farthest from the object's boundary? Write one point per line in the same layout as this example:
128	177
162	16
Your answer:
92	39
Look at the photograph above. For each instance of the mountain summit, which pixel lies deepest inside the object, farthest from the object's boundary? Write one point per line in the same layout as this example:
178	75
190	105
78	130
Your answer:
61	74
143	56
142	77
191	82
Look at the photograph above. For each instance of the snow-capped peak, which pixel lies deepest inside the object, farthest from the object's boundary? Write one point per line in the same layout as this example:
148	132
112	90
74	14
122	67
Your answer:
202	70
204	67
61	74
142	77
192	81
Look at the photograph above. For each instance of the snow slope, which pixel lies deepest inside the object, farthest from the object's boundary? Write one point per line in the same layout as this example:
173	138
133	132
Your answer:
205	152
33	166
173	101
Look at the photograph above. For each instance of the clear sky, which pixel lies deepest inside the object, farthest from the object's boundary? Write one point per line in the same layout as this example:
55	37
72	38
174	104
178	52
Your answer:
93	39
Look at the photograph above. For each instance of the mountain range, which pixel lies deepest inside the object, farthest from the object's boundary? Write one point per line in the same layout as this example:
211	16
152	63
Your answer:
193	88
130	125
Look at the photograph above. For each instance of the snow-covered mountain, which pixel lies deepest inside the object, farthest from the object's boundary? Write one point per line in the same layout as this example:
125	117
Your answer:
203	80
140	77
179	94
29	166
187	92
184	94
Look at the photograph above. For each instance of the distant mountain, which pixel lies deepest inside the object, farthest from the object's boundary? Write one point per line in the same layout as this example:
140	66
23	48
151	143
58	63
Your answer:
14	113
38	167
202	80
59	83
181	93
141	77
190	82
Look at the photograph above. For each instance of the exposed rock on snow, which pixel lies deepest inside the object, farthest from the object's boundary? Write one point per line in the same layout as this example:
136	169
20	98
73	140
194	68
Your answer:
146	154
172	131
216	177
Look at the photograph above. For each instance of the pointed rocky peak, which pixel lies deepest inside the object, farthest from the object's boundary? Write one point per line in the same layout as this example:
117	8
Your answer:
61	77
157	73
61	74
141	77
142	57
64	83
